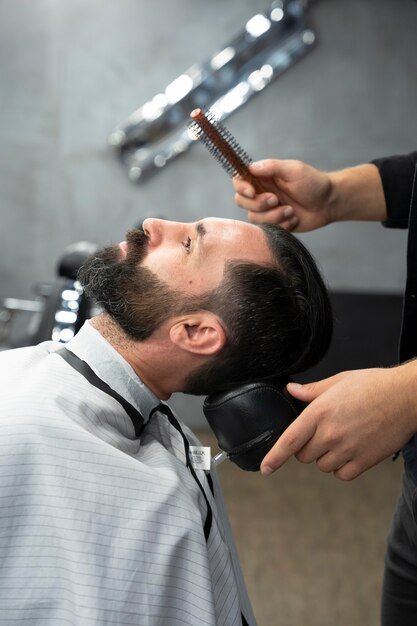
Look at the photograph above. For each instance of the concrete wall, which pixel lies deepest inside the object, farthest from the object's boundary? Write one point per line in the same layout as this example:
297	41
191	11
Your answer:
71	70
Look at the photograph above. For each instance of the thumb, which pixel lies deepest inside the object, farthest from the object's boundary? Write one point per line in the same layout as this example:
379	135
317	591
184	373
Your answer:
309	391
268	167
287	170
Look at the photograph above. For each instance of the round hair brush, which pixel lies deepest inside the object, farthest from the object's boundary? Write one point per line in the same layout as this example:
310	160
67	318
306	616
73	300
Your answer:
223	146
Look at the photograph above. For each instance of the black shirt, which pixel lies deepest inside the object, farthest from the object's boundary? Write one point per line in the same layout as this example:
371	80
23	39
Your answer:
399	181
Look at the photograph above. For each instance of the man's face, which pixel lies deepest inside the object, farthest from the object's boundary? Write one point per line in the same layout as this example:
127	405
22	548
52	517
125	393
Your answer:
163	271
191	257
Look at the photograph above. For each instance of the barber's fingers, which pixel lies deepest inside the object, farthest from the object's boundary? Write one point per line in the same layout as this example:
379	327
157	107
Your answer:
265	209
343	467
329	453
259	202
349	471
302	431
264	175
293	439
281	216
310	391
332	461
243	188
299	441
248	198
275	175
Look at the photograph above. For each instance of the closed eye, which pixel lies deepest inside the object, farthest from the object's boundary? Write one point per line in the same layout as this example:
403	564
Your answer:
187	244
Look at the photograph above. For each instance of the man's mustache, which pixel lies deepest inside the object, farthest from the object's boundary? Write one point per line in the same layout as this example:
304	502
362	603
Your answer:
137	245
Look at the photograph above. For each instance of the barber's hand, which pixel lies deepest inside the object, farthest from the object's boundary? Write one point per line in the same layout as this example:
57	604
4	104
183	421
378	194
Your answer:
354	420
297	196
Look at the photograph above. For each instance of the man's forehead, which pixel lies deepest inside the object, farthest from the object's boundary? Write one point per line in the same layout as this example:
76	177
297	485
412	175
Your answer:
233	226
246	241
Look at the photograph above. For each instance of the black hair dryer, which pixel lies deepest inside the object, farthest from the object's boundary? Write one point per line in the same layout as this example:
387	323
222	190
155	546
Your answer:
249	419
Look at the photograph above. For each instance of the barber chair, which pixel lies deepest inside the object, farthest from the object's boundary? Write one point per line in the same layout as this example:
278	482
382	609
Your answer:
59	309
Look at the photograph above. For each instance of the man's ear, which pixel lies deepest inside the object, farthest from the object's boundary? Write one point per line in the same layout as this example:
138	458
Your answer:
200	333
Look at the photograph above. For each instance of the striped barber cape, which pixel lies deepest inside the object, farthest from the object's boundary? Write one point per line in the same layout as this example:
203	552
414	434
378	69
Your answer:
97	525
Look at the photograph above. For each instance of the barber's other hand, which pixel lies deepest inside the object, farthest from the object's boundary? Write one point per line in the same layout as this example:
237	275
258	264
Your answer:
354	420
297	196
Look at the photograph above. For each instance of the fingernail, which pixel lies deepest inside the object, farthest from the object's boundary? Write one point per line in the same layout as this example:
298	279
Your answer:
257	165
288	211
266	470
294	386
273	201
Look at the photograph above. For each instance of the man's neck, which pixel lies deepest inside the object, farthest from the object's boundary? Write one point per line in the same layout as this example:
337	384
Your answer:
128	349
111	332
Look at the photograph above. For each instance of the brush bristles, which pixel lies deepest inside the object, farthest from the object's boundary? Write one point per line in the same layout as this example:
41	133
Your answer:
220	143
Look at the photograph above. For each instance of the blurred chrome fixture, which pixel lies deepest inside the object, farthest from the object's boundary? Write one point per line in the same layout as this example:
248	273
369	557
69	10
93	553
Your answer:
268	45
59	310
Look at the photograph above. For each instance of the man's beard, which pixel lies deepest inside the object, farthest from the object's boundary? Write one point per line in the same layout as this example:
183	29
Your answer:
130	293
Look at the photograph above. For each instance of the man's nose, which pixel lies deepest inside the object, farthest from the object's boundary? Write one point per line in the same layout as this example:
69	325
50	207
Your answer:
159	231
152	227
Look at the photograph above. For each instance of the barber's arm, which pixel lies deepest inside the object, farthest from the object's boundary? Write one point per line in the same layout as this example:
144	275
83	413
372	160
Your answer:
353	421
302	198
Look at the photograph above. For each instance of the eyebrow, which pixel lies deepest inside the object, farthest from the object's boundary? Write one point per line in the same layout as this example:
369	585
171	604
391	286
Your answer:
201	231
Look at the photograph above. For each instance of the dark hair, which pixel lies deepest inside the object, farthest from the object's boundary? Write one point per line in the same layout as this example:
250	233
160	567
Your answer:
278	317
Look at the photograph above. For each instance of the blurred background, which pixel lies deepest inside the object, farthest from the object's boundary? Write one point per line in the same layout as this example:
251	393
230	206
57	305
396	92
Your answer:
71	71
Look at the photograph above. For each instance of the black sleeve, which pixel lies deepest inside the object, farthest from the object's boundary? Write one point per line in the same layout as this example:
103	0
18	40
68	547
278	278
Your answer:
397	175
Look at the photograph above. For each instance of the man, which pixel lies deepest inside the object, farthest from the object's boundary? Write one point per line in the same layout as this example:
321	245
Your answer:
356	419
103	518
